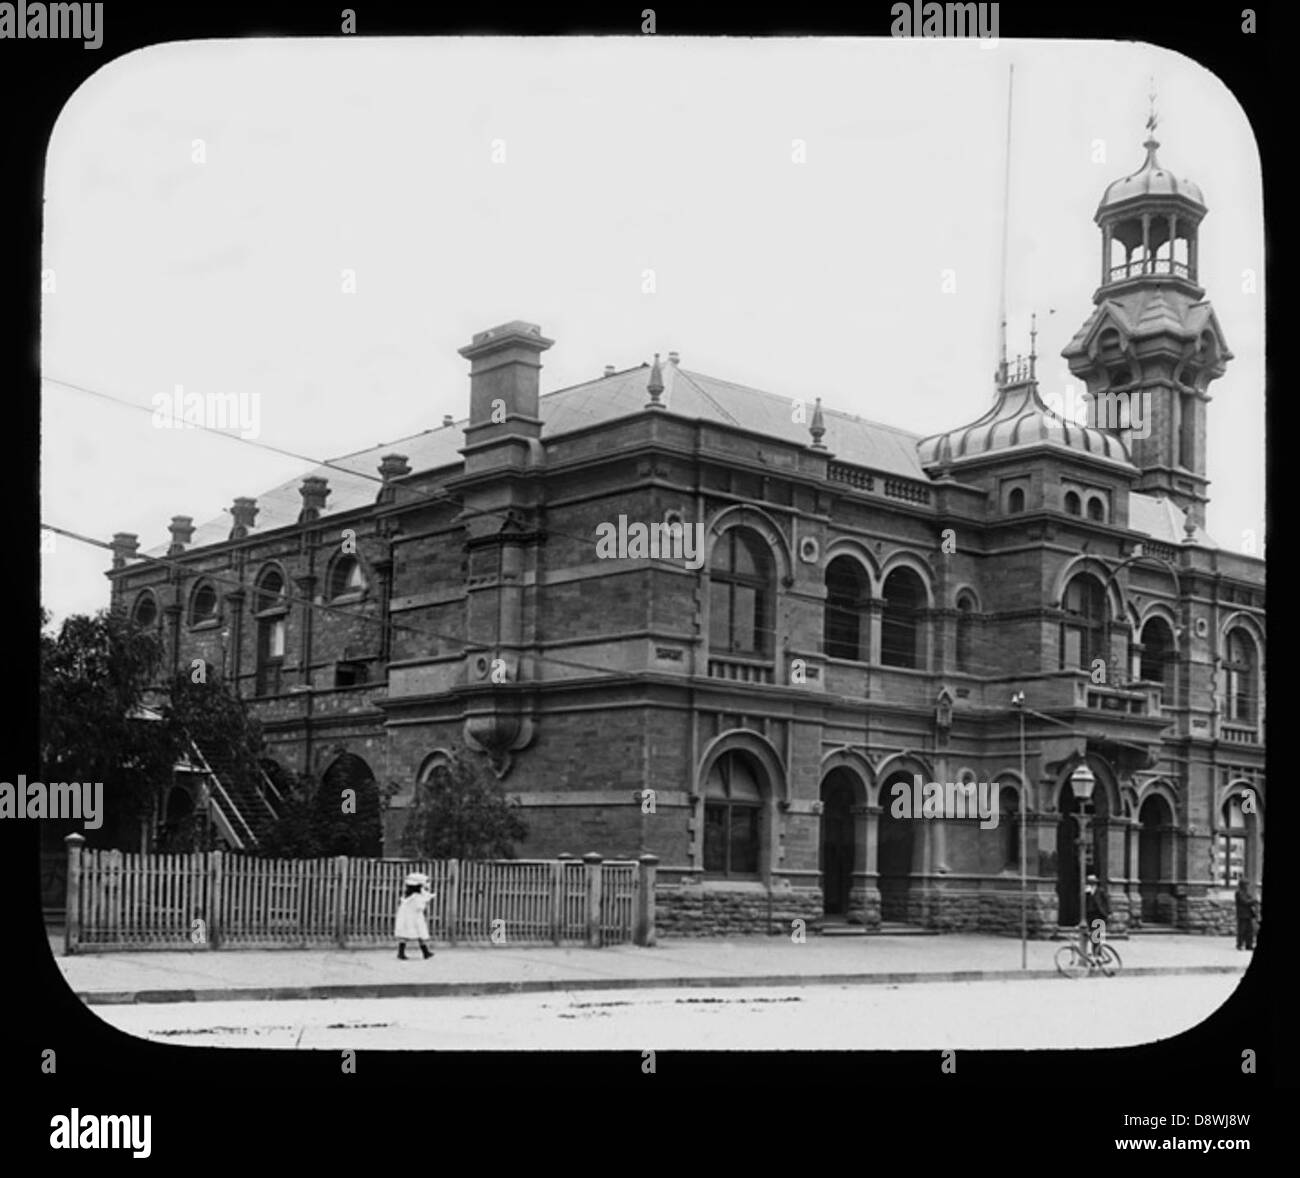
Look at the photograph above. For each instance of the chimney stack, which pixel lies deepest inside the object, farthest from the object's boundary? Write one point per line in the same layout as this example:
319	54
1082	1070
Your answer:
504	381
244	512
314	490
674	358
125	546
447	420
391	466
609	370
182	530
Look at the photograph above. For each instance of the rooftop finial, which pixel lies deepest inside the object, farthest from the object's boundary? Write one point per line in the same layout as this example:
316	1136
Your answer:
1152	120
1033	343
817	427
655	386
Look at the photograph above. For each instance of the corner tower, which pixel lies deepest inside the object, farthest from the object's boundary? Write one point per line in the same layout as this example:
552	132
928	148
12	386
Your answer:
1151	347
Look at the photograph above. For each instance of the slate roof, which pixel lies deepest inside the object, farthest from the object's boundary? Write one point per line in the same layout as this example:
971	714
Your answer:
1148	312
1162	519
692	395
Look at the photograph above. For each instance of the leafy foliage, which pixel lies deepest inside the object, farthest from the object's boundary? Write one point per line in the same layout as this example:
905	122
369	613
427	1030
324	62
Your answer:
95	675
462	813
313	824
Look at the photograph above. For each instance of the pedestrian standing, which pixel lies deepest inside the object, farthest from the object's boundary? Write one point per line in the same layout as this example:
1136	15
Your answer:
411	924
1247	914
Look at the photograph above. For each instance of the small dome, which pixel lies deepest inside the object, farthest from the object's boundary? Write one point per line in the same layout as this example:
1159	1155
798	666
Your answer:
1018	418
1150	180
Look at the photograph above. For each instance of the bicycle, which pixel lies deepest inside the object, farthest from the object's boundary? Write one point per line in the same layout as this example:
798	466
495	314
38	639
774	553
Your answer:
1074	962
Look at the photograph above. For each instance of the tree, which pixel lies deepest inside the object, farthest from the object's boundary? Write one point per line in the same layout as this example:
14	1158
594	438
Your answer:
461	812
95	675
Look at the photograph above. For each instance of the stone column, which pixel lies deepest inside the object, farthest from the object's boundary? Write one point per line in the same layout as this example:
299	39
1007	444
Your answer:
871	867
875	610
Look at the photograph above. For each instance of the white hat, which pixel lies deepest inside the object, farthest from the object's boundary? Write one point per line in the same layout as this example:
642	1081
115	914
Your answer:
417	877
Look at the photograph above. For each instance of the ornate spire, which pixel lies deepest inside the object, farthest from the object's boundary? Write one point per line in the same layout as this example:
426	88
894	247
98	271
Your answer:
656	385
817	427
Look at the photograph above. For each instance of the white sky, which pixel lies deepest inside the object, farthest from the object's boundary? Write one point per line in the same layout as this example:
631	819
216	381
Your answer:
622	154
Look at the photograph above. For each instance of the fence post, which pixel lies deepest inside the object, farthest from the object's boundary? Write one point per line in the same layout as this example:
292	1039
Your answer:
453	900
72	918
557	900
216	884
593	862
340	900
644	922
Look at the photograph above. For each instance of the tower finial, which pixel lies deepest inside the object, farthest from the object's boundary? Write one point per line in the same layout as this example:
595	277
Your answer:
1152	120
1033	343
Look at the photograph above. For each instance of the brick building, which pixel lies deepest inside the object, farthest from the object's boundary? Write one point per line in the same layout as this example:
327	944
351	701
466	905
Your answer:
866	605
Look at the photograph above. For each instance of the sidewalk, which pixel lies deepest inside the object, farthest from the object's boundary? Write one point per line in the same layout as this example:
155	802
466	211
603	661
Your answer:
243	975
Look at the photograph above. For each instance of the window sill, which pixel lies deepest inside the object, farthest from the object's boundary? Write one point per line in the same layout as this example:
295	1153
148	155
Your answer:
206	624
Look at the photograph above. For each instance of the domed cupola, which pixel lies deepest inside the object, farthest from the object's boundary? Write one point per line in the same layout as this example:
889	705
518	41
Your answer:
1149	221
1018	419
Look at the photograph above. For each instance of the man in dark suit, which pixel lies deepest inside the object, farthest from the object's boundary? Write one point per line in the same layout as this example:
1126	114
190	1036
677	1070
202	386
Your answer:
1096	907
1247	914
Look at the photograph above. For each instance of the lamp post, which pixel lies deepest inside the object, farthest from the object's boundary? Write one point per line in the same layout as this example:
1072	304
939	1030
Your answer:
1018	702
1082	782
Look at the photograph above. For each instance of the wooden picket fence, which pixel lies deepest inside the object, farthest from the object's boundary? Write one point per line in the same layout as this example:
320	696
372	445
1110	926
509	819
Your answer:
119	901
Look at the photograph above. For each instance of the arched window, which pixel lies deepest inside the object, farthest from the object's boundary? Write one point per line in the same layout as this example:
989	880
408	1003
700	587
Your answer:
847	590
733	810
965	628
1233	845
1016	500
900	629
270	591
271	611
1083	631
1242	663
1096	509
203	605
146	610
1158	653
346	577
1073	505
740	594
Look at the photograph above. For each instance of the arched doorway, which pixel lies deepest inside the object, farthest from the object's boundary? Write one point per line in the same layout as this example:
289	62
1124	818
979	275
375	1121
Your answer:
897	852
839	845
350	823
1156	861
1067	848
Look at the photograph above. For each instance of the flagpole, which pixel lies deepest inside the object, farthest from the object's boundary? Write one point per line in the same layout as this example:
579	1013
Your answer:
1006	203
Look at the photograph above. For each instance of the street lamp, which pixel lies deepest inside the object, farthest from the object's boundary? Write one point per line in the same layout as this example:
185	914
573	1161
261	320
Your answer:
1082	782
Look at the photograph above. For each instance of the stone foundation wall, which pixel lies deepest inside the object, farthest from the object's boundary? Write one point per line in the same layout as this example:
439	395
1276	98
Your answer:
698	910
1211	915
989	912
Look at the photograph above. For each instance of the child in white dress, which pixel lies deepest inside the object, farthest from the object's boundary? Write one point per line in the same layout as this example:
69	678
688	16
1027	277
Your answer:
411	924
